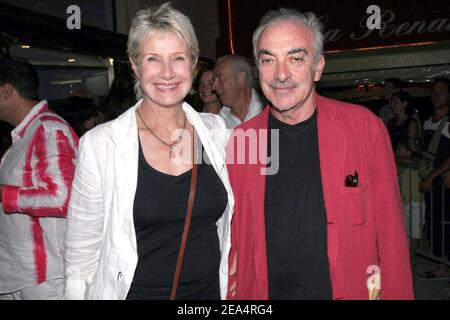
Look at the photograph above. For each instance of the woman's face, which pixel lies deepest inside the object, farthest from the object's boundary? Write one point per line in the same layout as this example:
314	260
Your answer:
164	68
398	107
90	123
207	95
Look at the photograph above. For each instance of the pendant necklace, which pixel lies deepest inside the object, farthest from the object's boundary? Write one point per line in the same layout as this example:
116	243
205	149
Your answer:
170	145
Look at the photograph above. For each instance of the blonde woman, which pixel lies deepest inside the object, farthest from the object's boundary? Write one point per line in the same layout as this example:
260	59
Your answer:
133	181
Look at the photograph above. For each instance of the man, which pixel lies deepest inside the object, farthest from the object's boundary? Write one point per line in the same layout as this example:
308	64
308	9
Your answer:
329	223
436	137
391	86
35	180
233	83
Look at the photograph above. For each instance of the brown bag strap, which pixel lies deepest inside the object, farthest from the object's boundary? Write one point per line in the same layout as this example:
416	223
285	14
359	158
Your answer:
187	223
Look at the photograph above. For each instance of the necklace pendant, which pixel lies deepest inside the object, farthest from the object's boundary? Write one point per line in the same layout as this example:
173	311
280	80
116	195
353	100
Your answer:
171	153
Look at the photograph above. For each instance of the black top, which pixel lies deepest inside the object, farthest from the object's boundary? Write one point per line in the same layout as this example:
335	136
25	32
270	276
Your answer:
398	133
160	206
296	226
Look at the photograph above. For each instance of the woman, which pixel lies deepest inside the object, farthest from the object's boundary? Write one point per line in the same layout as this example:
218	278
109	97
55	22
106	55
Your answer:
404	130
402	125
80	113
209	98
131	187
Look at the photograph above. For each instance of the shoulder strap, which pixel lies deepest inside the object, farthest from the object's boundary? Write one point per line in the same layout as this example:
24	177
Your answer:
187	223
432	147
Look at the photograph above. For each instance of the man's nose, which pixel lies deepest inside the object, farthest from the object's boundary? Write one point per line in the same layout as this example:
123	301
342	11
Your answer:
215	84
282	72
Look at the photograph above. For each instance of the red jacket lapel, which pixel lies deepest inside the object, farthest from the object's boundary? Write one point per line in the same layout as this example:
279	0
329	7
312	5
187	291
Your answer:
332	160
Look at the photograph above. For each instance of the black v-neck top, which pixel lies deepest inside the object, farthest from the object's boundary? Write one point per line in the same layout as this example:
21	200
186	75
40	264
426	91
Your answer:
160	206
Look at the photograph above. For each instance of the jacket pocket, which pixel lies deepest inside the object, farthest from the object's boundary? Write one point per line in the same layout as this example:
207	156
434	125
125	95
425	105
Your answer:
109	281
354	205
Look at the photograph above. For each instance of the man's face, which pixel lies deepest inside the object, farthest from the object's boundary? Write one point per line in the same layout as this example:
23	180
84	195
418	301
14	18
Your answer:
439	95
287	69
389	90
226	84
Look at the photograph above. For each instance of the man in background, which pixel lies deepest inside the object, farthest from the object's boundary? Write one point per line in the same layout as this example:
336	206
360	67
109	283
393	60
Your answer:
36	175
391	86
233	83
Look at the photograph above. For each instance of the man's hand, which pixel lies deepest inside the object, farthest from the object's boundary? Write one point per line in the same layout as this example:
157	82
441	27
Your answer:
232	273
426	184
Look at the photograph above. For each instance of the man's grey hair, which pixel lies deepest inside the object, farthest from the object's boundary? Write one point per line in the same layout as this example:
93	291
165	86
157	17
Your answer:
307	19
163	19
239	64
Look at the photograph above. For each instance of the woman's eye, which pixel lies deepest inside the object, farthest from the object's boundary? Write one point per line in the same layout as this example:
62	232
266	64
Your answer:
152	59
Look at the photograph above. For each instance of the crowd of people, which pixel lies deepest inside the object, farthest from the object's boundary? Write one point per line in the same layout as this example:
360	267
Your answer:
142	197
422	150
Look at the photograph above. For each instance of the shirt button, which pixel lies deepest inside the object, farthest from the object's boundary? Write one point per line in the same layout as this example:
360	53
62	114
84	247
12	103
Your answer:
119	276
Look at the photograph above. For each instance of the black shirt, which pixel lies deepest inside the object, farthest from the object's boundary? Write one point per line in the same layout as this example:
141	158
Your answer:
296	226
398	133
160	206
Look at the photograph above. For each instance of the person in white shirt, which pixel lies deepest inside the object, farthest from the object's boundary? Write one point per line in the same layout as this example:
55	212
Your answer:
35	180
233	83
391	86
131	187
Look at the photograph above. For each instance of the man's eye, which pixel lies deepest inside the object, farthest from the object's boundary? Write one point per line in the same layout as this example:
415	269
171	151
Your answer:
179	59
152	59
266	60
298	59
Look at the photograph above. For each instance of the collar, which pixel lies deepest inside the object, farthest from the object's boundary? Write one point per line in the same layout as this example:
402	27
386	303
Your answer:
324	106
124	128
19	131
254	108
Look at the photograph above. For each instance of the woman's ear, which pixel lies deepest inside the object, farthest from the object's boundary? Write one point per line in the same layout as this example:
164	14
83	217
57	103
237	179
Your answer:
134	66
194	64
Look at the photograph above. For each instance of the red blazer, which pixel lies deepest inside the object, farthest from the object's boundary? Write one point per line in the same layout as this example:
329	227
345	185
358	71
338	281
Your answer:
364	224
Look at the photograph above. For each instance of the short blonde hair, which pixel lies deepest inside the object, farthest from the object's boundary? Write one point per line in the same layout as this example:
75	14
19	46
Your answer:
156	20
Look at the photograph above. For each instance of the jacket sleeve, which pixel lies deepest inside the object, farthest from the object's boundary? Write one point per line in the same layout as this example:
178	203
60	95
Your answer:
48	174
393	252
232	257
232	264
84	223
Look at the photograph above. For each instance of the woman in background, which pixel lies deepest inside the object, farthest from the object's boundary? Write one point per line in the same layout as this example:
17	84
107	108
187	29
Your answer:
209	98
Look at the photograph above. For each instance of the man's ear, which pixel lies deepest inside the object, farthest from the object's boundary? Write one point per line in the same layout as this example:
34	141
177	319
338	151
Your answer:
134	66
319	68
242	78
8	91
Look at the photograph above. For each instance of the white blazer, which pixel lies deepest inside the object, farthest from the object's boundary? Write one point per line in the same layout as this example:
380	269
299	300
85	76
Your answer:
100	243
